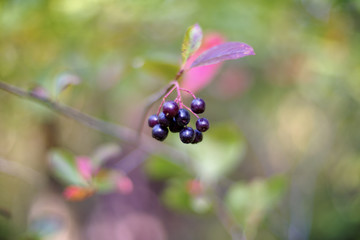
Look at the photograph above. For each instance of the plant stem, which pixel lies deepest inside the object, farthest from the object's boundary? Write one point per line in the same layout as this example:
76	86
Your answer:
127	135
164	98
188	91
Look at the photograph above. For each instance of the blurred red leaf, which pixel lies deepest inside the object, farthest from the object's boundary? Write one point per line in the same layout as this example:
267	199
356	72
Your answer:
75	193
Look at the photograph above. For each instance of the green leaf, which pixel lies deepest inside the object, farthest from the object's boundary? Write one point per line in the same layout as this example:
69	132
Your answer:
161	68
176	197
249	203
63	165
192	41
105	180
158	167
221	151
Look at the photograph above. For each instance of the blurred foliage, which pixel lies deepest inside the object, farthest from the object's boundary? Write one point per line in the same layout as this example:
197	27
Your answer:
289	110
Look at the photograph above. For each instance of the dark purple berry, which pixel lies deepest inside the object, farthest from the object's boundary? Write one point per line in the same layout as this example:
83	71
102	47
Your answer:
153	120
163	120
183	117
174	127
198	137
159	132
198	105
202	124
170	109
187	135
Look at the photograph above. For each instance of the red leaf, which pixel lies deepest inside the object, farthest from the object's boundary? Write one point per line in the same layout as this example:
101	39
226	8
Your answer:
75	193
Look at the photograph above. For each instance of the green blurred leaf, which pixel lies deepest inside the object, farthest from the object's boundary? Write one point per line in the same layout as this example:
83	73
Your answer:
250	202
201	204
221	151
105	180
64	167
192	41
161	68
176	197
159	167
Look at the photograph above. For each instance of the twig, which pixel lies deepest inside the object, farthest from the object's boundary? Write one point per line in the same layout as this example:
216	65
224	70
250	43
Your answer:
125	134
117	131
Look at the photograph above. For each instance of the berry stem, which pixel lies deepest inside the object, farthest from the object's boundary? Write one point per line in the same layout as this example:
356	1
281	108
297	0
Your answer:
197	116
188	91
179	94
166	95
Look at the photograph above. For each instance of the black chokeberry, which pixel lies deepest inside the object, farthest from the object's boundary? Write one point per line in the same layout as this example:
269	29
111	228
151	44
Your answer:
198	105
170	109
174	127
153	120
187	135
183	117
159	132
163	120
202	124
198	137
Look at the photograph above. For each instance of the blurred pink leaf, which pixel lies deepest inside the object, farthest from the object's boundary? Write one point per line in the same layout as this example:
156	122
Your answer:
75	193
199	77
125	185
223	52
192	41
84	166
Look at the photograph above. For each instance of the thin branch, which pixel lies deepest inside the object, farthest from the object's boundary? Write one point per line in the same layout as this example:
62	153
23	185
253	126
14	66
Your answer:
125	134
117	131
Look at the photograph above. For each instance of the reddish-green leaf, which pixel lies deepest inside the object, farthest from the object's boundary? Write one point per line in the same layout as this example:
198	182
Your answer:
192	41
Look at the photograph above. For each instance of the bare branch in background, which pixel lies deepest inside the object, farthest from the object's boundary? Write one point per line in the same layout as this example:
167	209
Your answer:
122	133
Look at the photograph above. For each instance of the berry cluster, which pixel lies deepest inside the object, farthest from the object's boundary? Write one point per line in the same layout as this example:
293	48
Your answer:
176	119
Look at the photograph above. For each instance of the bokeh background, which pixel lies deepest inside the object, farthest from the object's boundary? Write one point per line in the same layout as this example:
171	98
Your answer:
281	160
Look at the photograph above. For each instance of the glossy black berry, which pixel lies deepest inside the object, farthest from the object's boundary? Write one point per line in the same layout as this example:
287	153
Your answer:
163	120
170	109
183	117
174	127
159	132
198	105
153	120
187	135
202	124
198	137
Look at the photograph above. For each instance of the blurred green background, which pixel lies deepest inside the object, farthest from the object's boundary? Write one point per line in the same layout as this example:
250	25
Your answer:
281	158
